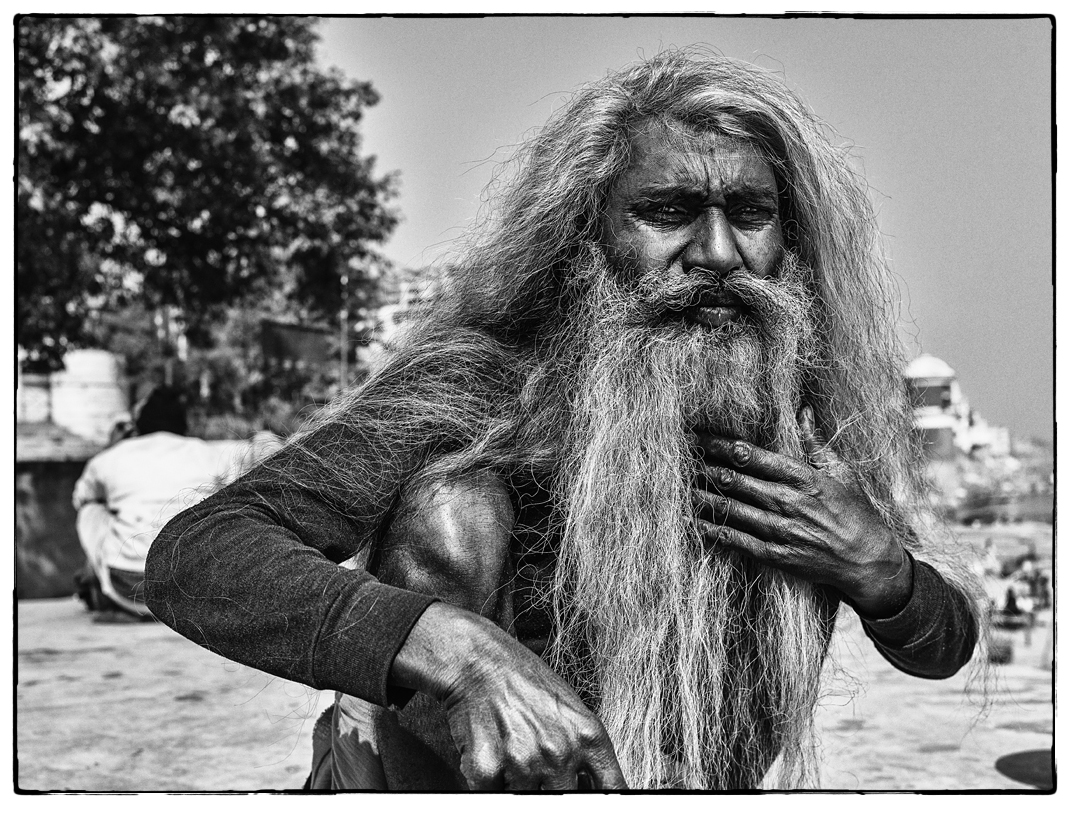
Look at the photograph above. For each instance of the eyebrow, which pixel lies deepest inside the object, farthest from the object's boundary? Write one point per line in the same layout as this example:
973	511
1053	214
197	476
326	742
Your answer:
746	189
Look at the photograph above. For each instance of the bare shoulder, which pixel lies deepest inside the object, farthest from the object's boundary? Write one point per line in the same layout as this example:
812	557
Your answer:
477	504
458	530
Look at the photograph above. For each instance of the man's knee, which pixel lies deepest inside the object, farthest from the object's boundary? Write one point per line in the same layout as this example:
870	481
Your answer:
452	540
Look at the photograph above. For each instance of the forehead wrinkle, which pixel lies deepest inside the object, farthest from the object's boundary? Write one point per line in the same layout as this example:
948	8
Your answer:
668	157
719	172
691	159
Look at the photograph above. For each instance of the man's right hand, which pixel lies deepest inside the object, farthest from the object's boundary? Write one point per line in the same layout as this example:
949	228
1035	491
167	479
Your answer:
516	724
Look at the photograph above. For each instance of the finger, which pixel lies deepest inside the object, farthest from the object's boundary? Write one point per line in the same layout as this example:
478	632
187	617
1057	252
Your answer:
602	769
743	517
522	782
720	535
773	496
755	461
563	781
482	769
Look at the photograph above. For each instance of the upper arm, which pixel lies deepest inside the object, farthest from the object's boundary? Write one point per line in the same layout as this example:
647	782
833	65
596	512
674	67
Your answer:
252	573
451	540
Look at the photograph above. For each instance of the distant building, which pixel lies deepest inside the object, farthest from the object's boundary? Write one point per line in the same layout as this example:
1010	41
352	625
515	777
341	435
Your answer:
404	292
937	399
943	418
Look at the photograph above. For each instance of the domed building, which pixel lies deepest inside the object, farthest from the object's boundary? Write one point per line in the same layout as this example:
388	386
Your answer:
942	415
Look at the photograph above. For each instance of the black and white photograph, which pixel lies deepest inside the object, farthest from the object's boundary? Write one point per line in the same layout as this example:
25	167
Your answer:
534	403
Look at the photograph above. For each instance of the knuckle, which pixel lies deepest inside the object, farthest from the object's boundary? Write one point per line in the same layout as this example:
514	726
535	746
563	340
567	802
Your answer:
480	775
555	756
592	734
481	768
707	531
723	536
741	453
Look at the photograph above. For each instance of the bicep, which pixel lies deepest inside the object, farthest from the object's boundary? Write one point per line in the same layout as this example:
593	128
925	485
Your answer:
451	540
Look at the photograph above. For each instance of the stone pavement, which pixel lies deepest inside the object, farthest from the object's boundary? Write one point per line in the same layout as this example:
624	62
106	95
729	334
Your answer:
884	730
135	707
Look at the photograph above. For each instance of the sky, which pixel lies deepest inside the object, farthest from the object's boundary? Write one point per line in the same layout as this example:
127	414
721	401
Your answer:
950	120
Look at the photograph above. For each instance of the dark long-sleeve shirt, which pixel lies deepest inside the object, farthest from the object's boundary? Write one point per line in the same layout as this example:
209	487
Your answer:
253	573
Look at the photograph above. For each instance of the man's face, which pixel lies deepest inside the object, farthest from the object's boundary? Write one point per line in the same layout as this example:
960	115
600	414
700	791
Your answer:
690	202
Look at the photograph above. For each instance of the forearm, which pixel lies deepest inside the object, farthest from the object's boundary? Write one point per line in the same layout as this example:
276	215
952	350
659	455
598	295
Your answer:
230	577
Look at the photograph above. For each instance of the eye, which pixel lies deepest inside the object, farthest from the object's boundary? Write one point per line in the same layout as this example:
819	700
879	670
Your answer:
753	214
666	213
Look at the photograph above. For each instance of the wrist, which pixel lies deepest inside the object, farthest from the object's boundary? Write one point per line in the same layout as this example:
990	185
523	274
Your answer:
446	645
887	591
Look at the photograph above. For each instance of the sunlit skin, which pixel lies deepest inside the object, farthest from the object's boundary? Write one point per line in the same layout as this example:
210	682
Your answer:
697	205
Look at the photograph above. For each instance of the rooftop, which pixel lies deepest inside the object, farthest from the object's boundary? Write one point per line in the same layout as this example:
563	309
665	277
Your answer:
928	367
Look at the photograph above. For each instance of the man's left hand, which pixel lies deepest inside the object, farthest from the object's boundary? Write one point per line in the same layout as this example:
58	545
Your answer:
810	520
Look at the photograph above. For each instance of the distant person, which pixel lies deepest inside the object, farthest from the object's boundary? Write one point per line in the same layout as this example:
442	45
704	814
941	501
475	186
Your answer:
1010	602
242	455
990	563
129	491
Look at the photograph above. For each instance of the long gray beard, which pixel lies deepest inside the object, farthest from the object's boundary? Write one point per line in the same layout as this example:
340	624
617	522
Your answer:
704	664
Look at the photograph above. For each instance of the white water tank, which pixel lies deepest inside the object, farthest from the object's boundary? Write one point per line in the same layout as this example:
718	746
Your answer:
89	394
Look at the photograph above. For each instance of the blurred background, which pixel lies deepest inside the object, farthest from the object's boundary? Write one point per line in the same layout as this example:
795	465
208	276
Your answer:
249	208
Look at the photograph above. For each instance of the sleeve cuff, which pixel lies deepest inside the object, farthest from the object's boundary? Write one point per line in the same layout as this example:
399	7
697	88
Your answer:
368	632
914	619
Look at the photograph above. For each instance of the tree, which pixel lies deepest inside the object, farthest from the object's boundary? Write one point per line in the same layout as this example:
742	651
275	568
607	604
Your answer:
184	162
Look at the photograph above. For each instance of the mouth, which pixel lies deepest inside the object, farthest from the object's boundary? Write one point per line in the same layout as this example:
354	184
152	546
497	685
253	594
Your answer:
714	311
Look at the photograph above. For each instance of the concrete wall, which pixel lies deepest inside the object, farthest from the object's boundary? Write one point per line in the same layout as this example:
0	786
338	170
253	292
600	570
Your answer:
33	398
47	552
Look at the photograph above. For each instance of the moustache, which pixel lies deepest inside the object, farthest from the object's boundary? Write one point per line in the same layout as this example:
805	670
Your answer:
660	295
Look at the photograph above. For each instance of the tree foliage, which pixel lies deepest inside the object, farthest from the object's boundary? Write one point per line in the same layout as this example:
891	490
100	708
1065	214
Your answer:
186	162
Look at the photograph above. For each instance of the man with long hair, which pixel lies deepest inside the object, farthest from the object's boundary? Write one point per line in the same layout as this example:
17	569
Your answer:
599	510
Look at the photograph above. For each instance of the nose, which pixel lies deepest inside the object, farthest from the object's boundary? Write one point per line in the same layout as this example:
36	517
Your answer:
713	244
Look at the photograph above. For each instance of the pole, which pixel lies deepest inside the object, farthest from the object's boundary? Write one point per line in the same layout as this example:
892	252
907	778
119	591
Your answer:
343	336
